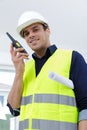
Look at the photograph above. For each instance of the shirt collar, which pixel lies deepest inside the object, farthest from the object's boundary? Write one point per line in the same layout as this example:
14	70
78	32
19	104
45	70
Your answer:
50	50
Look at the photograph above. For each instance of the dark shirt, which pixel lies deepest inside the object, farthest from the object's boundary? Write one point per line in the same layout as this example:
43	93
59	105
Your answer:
78	74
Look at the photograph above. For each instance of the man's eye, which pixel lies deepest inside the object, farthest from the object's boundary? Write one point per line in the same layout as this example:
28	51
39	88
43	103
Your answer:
26	34
35	30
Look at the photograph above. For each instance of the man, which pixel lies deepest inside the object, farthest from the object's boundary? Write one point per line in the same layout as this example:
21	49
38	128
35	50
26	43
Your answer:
42	103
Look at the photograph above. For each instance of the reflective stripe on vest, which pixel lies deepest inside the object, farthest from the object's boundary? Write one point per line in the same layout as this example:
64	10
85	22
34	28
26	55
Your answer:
47	125
46	101
24	124
49	98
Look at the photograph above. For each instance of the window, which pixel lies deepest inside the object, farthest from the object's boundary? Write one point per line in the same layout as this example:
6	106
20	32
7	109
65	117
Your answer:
6	80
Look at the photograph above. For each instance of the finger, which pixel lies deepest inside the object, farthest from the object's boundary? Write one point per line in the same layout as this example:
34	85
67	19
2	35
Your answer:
19	49
22	55
12	50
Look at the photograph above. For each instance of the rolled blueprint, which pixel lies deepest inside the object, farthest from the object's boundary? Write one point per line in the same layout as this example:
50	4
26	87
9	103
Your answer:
61	79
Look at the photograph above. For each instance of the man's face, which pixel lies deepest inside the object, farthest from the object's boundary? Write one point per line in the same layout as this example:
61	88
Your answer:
36	37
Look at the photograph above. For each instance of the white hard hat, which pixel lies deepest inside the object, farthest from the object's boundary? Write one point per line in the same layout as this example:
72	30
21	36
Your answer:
28	18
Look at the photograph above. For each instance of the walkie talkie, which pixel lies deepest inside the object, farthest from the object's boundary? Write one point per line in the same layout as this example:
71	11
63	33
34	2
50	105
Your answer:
15	43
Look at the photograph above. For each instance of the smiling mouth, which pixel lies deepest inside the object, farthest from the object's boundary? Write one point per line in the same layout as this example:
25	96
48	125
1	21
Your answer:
34	40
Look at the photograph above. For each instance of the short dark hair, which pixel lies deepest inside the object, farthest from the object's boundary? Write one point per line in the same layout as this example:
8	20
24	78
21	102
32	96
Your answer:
45	26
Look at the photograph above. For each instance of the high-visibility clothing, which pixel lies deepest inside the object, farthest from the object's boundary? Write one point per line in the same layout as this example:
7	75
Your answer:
47	104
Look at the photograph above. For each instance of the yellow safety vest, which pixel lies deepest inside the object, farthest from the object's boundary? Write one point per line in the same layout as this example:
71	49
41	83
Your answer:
47	104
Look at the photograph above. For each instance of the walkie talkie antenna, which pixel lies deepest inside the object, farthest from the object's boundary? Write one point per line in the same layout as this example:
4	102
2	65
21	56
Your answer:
15	43
12	39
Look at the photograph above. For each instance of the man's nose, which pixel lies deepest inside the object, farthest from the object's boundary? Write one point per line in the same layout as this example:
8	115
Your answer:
31	34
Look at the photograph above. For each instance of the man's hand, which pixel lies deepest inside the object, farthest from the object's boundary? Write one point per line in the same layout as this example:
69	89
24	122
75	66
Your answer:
82	125
18	58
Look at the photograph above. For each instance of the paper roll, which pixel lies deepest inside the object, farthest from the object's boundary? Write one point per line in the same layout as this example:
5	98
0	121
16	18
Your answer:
61	79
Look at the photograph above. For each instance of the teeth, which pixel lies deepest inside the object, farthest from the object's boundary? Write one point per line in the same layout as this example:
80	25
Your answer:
33	40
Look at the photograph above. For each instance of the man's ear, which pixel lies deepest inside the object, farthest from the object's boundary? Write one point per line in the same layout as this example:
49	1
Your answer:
48	30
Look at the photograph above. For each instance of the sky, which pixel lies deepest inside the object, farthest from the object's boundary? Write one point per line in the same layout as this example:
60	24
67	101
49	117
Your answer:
67	20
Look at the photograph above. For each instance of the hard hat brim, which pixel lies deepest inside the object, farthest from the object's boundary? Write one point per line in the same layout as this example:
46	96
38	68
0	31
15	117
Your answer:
28	23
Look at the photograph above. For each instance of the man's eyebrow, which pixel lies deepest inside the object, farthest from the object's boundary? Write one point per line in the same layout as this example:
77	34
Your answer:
36	26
